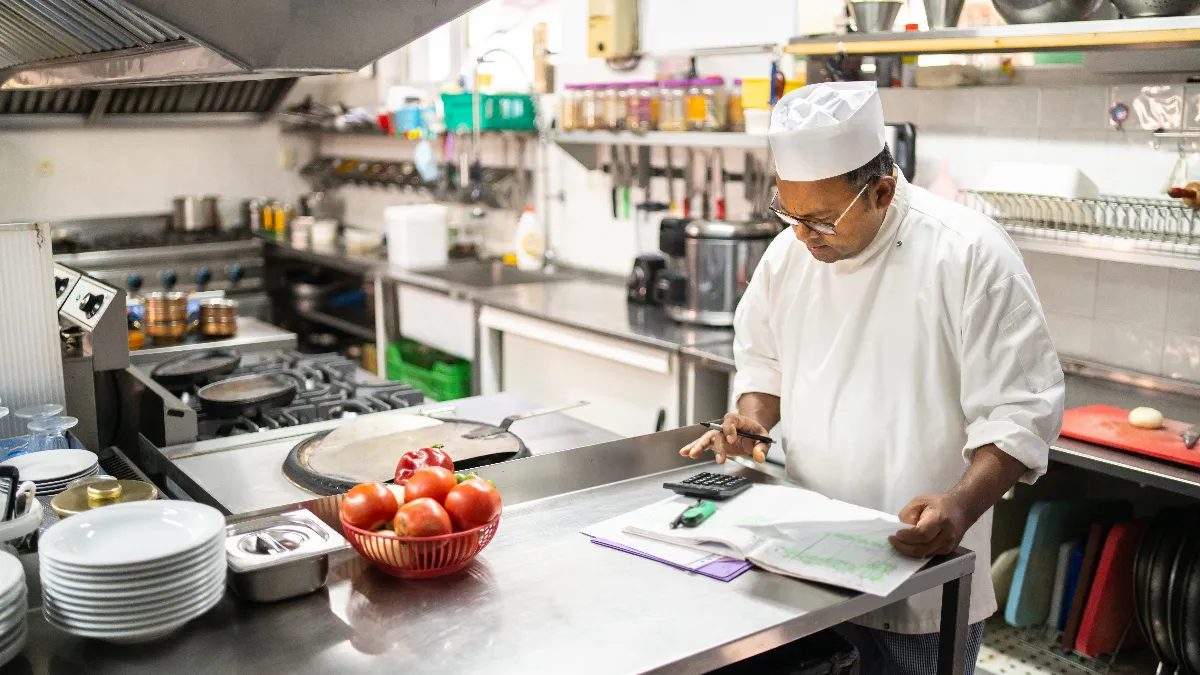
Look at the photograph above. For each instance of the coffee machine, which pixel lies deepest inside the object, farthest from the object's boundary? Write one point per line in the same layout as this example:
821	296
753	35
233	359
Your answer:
708	266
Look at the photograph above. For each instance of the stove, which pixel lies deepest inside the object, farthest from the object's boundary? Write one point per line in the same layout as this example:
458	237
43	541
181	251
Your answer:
333	388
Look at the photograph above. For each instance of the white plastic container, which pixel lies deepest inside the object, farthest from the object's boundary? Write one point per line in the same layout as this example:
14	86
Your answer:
530	242
417	235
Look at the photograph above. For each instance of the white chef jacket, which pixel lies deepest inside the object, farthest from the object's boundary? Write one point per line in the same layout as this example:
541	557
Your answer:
895	365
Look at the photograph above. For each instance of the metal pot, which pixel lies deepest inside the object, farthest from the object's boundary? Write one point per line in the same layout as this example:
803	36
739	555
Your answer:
943	13
218	317
165	306
195	213
1046	11
1141	8
874	16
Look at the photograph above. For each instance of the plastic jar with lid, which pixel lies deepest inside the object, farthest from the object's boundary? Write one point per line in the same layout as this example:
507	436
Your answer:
568	114
707	105
610	116
641	112
588	110
737	116
672	110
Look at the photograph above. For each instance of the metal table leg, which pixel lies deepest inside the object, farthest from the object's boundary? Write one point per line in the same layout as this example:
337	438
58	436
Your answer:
952	640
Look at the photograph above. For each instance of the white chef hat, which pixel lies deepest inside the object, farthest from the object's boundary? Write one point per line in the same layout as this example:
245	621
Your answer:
827	129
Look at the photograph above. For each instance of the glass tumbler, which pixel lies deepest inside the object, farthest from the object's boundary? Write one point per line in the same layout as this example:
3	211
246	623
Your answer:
50	433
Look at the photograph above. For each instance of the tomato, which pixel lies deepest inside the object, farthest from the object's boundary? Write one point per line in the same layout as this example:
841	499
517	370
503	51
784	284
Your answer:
433	482
414	460
472	503
369	505
422	518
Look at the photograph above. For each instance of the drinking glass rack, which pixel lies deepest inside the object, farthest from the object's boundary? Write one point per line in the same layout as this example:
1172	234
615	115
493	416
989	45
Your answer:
1125	224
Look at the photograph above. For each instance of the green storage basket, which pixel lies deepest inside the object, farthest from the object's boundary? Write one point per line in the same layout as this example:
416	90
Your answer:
498	112
441	376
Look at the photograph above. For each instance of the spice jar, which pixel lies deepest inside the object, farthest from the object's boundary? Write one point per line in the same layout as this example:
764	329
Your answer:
737	117
672	109
588	110
707	106
641	111
610	113
568	115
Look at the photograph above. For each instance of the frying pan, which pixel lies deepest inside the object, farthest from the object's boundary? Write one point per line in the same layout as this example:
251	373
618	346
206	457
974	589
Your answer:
1158	590
238	395
189	369
1189	622
298	469
1141	572
1177	593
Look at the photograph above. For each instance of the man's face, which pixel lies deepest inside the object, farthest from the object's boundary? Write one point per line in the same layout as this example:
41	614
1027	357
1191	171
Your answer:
823	201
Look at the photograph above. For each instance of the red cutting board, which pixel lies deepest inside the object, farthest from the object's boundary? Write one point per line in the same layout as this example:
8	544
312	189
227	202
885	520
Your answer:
1106	425
1110	602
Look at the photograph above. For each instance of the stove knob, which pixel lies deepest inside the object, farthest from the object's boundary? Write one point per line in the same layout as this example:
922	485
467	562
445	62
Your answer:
203	277
236	273
169	279
60	285
91	303
134	282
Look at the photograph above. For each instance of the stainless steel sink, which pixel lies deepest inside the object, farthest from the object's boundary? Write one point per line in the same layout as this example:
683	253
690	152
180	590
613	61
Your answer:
485	274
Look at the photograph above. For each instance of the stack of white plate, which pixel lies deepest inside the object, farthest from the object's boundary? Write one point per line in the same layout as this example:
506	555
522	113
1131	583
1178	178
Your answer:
53	470
133	572
13	605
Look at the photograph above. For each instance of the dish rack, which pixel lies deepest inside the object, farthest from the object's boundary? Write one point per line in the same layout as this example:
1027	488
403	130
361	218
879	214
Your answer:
1159	225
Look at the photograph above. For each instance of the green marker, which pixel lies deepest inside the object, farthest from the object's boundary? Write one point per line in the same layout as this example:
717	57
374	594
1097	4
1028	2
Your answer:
695	514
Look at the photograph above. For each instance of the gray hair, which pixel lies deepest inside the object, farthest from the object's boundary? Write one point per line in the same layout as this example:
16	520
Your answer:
877	168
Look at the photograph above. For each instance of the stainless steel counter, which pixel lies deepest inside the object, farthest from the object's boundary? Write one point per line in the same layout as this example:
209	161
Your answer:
600	308
540	599
333	255
244	473
715	355
253	335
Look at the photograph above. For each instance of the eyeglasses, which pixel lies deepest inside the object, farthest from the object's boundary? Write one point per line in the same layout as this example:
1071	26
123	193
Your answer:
820	228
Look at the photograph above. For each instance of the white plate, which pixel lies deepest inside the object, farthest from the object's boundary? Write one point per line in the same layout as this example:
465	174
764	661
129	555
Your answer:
153	607
12	574
52	465
13	618
134	602
156	629
132	533
132	572
11	599
17	645
166	612
65	481
107	595
68	581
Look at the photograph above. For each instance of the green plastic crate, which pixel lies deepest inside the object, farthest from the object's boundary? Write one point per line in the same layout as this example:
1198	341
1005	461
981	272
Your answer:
498	112
441	376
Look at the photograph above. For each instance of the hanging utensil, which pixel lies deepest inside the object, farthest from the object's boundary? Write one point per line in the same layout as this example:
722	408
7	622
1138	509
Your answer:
10	478
614	161
486	431
674	206
689	182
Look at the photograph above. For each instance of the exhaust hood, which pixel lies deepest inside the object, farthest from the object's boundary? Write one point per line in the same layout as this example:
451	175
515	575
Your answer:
47	44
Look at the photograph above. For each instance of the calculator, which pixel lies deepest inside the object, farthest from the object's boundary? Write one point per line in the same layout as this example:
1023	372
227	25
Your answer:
710	486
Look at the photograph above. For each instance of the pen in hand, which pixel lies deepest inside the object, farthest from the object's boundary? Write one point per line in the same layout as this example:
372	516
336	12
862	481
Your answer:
716	426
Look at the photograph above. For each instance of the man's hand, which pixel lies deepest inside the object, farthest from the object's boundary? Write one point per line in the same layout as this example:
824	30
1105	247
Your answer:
938	525
726	442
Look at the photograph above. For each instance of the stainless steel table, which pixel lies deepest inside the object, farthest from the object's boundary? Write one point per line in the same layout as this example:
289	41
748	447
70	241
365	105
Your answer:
253	335
540	599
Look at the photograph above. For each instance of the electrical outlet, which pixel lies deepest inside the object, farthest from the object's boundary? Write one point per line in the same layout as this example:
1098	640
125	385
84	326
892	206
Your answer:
45	168
287	158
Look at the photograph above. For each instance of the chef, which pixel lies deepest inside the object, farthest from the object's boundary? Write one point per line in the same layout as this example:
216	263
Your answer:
898	342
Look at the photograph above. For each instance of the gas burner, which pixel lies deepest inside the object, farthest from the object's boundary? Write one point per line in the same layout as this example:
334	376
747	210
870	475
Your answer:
327	387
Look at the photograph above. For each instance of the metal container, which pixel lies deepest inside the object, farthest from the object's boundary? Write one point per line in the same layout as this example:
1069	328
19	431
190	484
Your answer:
252	212
99	493
943	13
195	213
169	330
1046	11
165	307
275	557
875	16
218	317
1142	8
709	265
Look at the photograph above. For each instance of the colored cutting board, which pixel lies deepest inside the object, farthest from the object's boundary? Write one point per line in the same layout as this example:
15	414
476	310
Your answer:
1054	620
1106	425
1083	587
1110	603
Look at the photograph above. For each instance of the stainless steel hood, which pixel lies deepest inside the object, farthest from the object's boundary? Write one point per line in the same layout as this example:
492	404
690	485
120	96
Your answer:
89	43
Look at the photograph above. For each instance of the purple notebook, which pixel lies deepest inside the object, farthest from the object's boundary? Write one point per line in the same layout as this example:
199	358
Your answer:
725	569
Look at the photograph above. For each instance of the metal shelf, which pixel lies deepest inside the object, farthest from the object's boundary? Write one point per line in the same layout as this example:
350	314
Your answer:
337	323
1097	247
1151	33
682	139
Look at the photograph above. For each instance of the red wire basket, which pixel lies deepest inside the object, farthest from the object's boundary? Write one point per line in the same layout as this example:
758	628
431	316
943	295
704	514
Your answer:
421	557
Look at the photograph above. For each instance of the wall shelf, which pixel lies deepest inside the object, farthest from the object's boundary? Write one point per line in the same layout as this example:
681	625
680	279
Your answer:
1150	33
1096	247
681	139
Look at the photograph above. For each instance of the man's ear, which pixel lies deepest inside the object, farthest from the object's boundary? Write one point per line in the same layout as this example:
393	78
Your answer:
883	193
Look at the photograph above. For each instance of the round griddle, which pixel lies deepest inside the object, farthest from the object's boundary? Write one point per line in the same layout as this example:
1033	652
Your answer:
1177	593
189	369
1189	627
368	449
1162	567
235	396
1141	572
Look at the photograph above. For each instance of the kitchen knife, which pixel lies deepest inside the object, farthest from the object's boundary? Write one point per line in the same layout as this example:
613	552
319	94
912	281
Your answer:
615	163
1190	436
674	206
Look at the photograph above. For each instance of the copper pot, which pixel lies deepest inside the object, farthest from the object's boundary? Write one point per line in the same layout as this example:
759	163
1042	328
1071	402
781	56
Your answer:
165	307
166	330
218	317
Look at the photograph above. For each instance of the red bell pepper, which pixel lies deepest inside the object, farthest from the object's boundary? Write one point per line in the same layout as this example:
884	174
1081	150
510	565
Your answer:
415	460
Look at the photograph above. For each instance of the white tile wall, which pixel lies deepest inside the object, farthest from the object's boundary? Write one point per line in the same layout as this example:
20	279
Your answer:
1129	316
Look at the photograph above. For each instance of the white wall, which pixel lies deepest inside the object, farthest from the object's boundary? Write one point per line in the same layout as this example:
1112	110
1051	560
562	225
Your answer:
112	172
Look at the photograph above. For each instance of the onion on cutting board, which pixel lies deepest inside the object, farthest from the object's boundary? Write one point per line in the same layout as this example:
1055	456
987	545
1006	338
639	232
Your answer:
1146	418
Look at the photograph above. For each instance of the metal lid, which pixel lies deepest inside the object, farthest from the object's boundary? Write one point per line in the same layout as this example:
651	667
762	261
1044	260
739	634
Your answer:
100	493
218	303
278	539
709	229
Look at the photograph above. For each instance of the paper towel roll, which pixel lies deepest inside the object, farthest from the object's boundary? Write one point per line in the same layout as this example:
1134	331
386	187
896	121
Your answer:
30	356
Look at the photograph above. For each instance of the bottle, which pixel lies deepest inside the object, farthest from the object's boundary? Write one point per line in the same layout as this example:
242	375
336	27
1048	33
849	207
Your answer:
530	242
